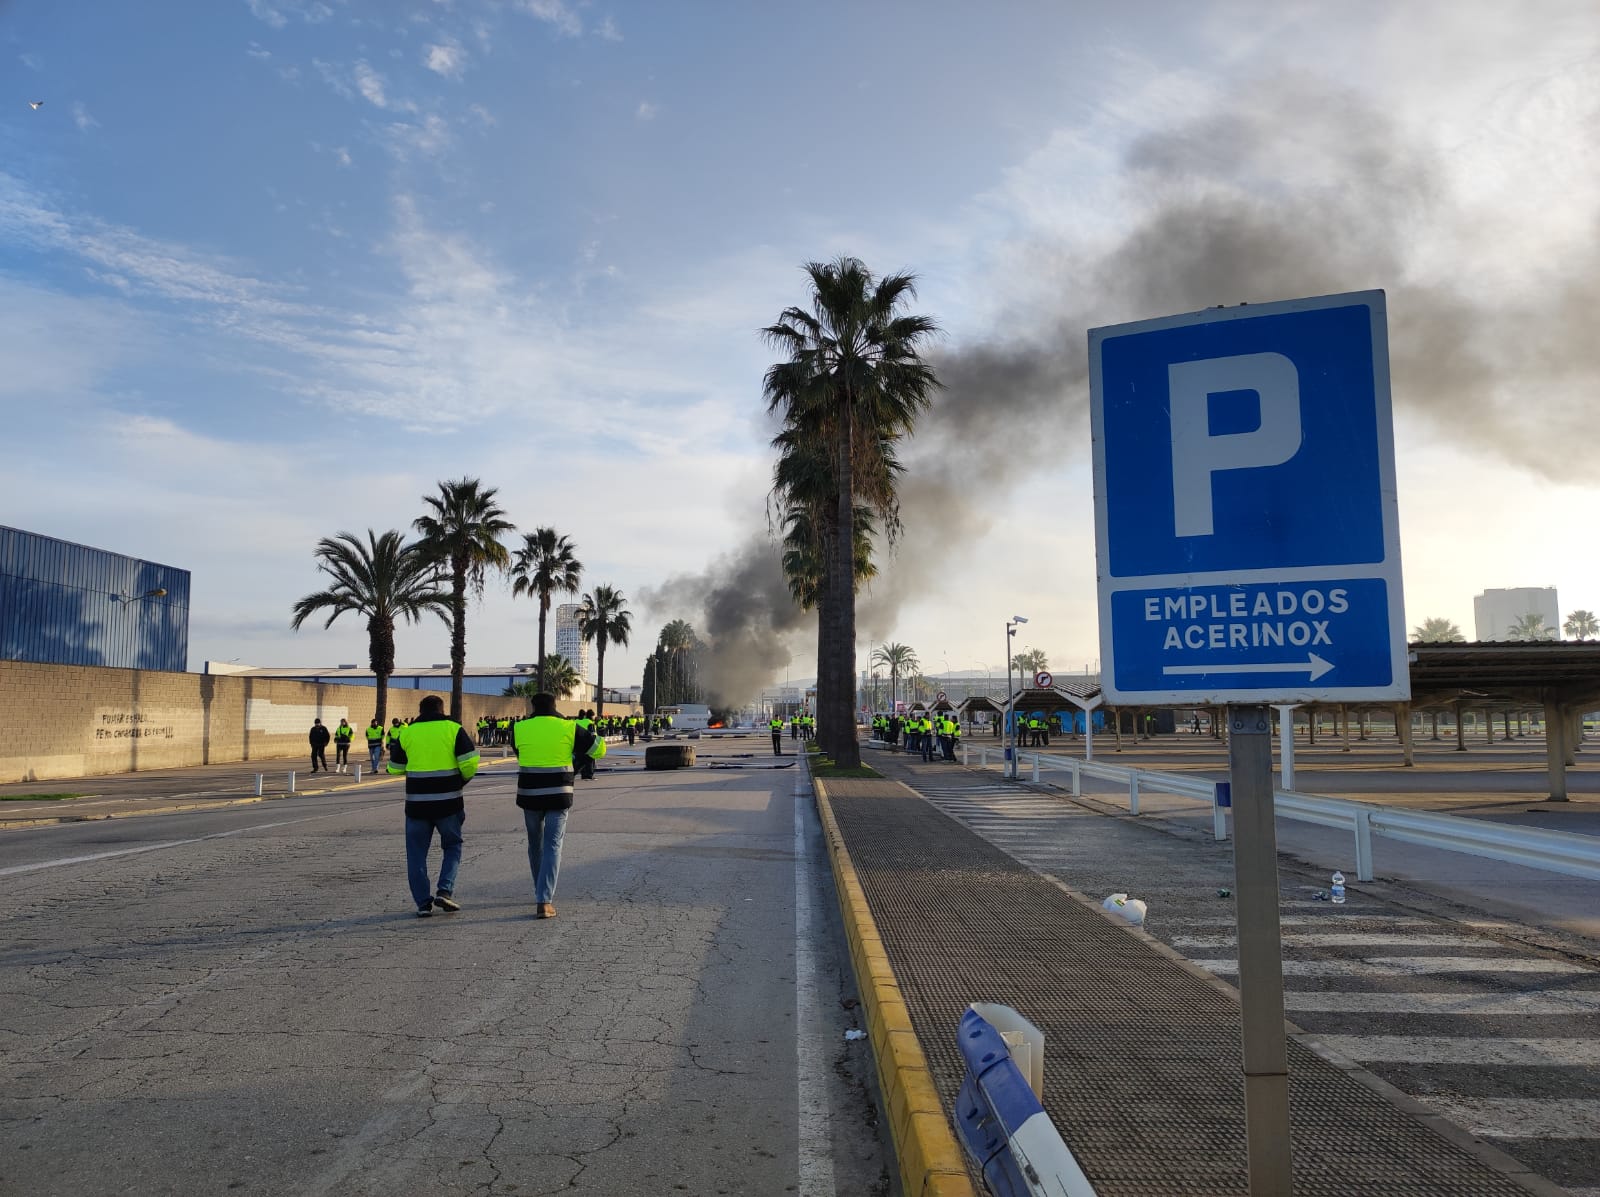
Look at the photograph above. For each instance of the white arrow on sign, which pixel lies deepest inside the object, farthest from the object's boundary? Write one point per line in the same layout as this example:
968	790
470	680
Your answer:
1316	666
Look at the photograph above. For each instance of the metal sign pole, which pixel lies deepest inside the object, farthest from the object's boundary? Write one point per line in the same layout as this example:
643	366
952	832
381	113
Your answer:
1255	870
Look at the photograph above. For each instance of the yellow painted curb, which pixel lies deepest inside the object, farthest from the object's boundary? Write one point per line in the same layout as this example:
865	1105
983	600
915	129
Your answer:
931	1163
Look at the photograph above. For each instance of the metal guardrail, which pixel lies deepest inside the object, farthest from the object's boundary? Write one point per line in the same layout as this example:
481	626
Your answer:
1001	1124
1534	848
1136	780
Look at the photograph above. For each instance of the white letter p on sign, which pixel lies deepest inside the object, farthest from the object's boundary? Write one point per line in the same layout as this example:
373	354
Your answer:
1196	454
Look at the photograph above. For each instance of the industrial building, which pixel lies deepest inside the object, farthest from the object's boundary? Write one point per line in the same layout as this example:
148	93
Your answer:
69	604
1496	612
569	638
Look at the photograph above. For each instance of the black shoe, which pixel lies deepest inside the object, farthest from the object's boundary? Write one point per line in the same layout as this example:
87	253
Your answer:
425	910
446	903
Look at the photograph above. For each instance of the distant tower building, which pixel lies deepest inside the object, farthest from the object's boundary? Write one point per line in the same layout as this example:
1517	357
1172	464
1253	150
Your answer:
1496	611
569	640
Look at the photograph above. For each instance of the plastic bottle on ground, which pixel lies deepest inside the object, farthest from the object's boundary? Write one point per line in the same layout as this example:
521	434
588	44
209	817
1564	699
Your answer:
1337	892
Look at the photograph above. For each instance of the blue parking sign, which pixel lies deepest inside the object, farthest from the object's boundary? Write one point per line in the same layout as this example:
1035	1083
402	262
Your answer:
1247	533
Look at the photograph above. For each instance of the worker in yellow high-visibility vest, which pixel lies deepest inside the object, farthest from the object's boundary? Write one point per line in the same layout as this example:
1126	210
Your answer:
548	747
438	759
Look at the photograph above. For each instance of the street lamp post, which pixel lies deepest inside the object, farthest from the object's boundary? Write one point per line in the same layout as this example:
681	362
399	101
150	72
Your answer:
1011	704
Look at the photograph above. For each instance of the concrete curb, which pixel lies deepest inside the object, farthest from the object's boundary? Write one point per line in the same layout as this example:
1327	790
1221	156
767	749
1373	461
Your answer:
931	1163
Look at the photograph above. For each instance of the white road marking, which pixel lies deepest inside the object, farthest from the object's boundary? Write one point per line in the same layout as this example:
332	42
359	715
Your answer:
811	1041
1406	966
199	839
1303	920
1521	1117
1434	1049
1583	1001
1376	939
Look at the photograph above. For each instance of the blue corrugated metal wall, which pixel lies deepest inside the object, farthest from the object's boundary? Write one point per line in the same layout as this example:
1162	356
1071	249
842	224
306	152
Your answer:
59	605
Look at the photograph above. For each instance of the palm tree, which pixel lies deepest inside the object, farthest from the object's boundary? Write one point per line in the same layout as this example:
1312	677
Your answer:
545	565
803	556
1029	663
385	580
560	676
898	659
559	673
1436	629
853	378
1581	625
603	618
1530	627
463	533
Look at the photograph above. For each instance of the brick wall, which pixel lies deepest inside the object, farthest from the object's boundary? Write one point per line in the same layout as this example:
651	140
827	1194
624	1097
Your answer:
63	721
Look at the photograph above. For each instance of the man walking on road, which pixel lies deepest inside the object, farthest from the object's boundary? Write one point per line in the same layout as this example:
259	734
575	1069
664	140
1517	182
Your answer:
375	743
775	726
319	746
547	746
438	759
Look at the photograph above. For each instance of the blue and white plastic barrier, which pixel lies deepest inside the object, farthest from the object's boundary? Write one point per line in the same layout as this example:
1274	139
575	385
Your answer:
998	1116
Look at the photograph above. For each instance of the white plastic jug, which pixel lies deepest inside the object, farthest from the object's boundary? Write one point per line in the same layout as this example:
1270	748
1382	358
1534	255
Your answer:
1132	909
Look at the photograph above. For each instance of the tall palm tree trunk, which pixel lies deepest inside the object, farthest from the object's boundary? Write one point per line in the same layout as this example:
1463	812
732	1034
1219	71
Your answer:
826	667
380	654
600	675
544	610
458	633
841	705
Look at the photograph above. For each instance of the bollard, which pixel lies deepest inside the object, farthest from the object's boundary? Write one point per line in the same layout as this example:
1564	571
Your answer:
291	782
1077	780
1036	768
1133	792
260	778
358	775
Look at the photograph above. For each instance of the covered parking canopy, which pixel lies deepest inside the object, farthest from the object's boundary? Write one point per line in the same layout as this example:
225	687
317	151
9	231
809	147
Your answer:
1561	676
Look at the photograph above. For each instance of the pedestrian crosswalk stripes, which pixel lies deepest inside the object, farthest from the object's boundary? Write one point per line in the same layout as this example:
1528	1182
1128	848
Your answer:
1529	1116
1405	966
1439	1049
1342	939
1540	1001
1509	1035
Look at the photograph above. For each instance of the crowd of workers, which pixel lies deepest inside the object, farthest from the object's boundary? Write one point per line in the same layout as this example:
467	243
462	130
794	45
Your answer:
499	730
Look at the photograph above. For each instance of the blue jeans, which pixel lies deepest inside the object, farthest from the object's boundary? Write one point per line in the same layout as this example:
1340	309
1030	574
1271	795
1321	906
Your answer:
419	838
377	754
546	829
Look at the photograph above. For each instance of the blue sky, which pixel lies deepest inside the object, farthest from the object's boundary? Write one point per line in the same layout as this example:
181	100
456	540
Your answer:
270	268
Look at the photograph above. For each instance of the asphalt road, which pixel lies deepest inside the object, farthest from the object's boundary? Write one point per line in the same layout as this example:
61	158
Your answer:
242	1000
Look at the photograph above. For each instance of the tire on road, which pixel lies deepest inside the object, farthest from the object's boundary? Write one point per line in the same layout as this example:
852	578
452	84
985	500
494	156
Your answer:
668	756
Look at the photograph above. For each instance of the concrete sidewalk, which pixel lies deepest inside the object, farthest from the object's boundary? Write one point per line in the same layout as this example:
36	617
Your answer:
1142	1047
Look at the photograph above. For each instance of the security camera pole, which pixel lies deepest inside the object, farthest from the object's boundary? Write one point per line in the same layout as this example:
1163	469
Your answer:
1218	436
1011	756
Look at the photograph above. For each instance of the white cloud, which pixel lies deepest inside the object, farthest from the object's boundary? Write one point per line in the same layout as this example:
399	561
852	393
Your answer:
31	61
263	11
341	155
556	13
447	59
276	13
333	77
429	137
608	31
255	51
82	118
370	84
646	111
481	114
